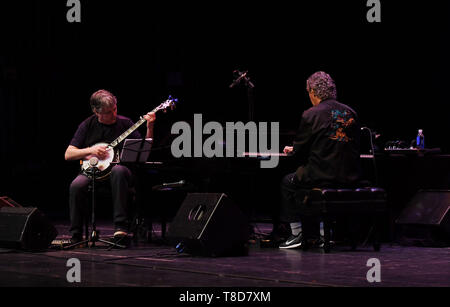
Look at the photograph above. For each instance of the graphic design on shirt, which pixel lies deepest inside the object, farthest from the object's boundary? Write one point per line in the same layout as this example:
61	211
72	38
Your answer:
340	121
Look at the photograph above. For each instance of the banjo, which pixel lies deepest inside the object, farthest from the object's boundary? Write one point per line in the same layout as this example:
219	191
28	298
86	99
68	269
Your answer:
104	165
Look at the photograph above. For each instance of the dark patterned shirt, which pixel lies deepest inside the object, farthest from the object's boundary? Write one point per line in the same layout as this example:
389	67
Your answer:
327	145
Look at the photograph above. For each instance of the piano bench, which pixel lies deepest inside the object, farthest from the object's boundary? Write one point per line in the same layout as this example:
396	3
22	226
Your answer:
327	204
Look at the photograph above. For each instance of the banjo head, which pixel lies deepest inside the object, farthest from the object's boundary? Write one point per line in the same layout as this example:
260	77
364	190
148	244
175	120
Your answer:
102	164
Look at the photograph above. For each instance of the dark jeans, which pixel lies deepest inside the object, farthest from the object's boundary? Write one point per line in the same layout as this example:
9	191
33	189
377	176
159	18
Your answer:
290	210
120	181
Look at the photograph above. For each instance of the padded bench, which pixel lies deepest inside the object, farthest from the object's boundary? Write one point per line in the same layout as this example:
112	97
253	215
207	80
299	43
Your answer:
327	204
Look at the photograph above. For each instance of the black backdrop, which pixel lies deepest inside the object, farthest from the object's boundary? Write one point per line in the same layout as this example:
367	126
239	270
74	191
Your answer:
394	73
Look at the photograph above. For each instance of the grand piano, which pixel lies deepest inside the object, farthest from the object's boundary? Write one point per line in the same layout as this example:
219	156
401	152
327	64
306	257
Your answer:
256	189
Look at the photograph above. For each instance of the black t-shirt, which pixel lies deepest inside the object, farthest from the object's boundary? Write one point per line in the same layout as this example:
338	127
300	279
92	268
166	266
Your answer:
327	144
91	132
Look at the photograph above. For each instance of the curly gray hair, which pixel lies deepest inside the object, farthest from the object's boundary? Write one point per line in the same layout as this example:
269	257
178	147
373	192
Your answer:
322	85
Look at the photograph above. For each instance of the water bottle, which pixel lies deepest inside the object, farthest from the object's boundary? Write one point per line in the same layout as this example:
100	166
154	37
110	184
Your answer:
420	141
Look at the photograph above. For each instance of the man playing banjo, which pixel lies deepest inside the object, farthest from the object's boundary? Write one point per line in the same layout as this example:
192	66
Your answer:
103	126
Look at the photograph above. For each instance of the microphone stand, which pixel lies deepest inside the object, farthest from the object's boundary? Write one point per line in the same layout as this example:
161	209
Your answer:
251	102
251	114
372	148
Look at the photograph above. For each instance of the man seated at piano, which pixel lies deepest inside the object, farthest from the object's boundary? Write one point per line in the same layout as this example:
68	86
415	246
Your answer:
104	127
327	148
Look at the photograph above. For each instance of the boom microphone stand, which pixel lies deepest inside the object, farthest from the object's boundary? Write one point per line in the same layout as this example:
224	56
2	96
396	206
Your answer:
94	237
239	76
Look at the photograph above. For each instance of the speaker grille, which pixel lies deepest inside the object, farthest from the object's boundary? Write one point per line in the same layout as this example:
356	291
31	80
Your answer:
209	224
426	220
25	228
426	208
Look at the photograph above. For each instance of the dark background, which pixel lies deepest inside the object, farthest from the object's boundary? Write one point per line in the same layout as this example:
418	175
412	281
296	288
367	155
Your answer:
394	73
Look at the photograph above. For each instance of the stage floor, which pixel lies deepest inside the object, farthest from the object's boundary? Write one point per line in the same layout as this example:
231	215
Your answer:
159	265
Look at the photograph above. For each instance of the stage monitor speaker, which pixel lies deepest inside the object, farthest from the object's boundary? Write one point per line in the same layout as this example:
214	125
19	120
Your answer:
25	228
5	201
426	219
209	224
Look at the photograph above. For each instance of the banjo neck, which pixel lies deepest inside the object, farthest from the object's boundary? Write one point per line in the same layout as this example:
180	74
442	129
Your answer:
124	135
170	102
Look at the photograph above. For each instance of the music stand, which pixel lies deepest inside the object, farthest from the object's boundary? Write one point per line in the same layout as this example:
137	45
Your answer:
136	150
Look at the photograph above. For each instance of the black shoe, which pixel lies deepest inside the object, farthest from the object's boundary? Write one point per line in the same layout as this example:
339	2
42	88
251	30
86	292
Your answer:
76	238
120	233
121	238
274	239
292	242
70	243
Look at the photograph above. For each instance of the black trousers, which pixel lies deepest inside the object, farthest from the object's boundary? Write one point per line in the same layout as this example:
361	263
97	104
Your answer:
290	211
120	180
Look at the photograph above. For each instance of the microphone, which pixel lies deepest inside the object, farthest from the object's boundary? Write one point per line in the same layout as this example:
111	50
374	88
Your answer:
174	184
238	79
93	162
242	75
169	185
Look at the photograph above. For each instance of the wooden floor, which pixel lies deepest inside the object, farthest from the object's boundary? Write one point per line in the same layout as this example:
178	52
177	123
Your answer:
159	265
